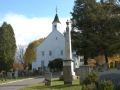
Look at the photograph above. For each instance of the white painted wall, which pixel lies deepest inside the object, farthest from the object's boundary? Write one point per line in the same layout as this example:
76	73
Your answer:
57	26
55	42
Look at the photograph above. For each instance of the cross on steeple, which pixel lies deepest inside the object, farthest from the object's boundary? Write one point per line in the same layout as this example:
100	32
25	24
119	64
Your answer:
56	9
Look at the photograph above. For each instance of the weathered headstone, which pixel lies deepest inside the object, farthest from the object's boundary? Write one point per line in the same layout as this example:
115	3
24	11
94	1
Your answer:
39	70
16	73
113	76
67	75
77	71
84	71
48	78
111	64
44	68
105	66
10	74
118	65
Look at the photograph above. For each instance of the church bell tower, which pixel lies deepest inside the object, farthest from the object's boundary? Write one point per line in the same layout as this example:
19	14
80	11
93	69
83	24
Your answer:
56	23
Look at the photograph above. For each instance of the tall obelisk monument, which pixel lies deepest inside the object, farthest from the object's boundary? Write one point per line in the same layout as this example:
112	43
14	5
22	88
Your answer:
68	72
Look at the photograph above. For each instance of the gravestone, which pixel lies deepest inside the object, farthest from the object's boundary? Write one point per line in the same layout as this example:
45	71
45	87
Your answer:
118	65
105	66
77	71
111	64
39	70
16	73
48	78
10	74
84	71
44	68
67	75
113	76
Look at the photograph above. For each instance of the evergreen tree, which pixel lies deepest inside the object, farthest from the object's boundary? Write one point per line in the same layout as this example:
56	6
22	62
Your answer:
7	47
94	29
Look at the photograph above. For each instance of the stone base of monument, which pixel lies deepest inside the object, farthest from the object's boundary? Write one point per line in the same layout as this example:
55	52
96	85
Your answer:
74	77
48	83
68	76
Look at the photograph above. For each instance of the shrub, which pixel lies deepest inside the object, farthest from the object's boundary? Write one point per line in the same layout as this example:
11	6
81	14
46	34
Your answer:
91	78
91	87
118	87
106	85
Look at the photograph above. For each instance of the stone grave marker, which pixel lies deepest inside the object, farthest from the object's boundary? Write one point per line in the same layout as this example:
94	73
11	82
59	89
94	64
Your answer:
77	71
118	65
113	76
16	73
10	74
48	78
39	70
105	66
84	71
111	65
44	68
67	75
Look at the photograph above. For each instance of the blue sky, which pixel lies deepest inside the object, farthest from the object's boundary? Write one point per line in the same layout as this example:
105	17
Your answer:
37	8
32	19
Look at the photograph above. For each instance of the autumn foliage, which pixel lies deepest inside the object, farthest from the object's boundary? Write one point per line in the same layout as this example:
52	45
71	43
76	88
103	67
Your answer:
30	53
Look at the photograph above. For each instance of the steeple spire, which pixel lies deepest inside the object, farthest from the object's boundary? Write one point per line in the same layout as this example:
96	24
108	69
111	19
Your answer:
56	22
56	19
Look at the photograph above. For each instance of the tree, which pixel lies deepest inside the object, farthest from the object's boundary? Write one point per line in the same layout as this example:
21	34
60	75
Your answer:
56	63
84	17
30	53
7	47
94	29
20	55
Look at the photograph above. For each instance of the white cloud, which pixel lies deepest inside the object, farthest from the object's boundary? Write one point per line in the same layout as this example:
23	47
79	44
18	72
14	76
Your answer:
29	29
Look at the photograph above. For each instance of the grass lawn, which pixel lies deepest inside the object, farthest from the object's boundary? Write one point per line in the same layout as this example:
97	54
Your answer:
19	78
113	69
56	85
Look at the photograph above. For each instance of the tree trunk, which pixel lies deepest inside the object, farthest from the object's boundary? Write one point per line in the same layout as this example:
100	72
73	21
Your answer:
106	58
85	59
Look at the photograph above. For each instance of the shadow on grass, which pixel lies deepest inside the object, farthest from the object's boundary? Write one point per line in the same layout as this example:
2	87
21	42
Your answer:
54	87
57	85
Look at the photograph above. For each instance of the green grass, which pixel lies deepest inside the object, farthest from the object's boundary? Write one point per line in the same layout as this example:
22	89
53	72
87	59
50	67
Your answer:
56	85
12	79
113	69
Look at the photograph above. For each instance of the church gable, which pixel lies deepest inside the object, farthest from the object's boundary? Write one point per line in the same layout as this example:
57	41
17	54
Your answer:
54	39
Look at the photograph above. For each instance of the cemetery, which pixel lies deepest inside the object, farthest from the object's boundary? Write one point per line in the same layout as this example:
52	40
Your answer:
86	77
86	56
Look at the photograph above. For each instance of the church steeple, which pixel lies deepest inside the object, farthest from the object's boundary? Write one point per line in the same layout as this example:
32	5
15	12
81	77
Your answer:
56	19
56	22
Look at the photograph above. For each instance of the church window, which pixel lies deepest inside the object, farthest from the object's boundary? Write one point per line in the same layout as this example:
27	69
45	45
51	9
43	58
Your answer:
50	52
61	52
42	53
55	26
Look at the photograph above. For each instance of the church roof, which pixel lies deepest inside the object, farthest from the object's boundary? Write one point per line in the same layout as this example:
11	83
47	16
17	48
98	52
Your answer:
56	19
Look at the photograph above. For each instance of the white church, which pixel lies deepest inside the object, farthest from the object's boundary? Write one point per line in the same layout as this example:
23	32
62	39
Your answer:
51	48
